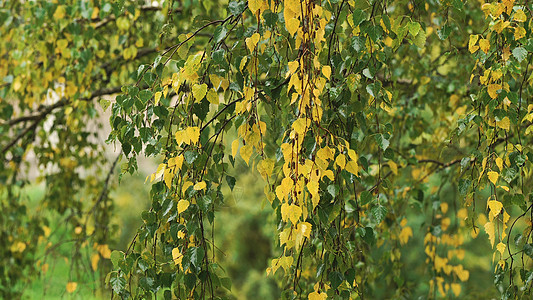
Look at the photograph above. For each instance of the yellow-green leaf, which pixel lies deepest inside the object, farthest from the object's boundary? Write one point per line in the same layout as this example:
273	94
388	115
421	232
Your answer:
504	123
472	43
157	97
234	147
292	25
212	97
199	91
246	153
519	16
60	14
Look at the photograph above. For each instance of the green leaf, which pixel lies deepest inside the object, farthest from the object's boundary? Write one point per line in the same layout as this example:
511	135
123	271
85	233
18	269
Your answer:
358	17
189	280
520	53
237	7
414	28
231	181
365	198
336	279
226	283
118	284
420	39
145	95
464	185
116	258
104	104
220	33
382	142
379	212
197	256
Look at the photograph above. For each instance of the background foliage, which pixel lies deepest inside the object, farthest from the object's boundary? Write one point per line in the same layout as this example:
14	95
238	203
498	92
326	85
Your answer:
322	149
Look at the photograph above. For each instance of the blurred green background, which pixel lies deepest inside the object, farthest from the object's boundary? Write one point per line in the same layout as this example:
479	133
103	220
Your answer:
246	241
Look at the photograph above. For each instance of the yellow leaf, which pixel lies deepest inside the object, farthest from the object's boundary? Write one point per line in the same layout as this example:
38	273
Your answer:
393	167
266	167
95	13
304	228
504	123
313	186
499	163
254	5
200	186
352	167
284	211
252	41
71	286
299	126
246	153
286	263
326	70
493	90
495	207
405	234
186	185
292	25
341	161
440	262
284	188
325	153
157	97
60	14
104	251
493	176
167	177
175	162
316	295
192	134
501	247
293	65
295	212
444	207
505	188
484	44
489	228
461	273
180	137
519	16
212	97
472	43
176	256
182	206
234	147
519	32
456	289
95	258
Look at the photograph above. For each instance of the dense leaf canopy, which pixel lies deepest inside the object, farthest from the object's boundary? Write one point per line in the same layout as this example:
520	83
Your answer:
358	115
